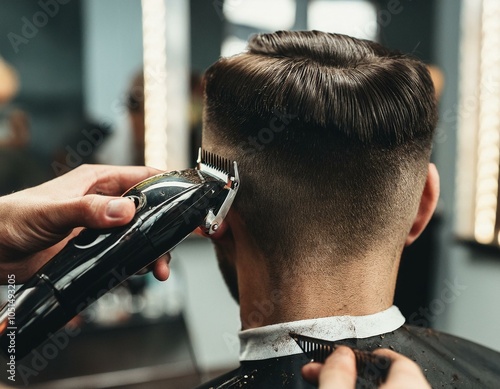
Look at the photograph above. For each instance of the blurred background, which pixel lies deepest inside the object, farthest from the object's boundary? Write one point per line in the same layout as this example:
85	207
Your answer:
119	81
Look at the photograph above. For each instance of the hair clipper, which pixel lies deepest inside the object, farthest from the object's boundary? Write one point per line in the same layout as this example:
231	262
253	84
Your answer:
169	206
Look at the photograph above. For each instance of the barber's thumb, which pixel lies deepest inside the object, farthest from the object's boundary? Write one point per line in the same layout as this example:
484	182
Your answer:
96	211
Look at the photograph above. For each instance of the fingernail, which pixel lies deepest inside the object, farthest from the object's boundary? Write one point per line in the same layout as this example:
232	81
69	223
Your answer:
114	209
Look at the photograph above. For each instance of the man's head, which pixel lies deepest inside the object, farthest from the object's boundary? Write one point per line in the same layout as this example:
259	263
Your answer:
332	136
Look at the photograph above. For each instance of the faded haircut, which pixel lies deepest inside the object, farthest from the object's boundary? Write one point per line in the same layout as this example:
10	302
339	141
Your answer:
332	135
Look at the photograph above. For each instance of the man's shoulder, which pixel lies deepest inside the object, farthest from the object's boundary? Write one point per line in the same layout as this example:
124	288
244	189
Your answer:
444	344
446	360
451	342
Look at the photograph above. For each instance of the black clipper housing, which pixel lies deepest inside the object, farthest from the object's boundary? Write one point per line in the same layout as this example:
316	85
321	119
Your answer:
169	206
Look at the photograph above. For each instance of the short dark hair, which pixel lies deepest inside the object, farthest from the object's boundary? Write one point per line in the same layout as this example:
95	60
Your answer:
332	135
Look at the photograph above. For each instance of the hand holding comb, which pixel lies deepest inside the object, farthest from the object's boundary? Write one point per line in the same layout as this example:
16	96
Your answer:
371	367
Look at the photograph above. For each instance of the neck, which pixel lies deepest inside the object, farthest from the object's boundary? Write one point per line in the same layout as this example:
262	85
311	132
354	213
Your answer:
361	287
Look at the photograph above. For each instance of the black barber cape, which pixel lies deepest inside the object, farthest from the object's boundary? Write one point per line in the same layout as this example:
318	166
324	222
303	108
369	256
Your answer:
446	361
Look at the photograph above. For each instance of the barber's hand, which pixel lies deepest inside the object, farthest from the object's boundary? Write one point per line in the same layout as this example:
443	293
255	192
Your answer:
36	223
339	371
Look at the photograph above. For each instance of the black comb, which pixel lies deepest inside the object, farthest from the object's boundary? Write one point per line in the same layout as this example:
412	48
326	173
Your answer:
371	367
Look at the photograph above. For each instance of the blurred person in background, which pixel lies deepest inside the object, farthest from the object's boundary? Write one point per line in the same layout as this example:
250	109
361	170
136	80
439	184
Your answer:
19	166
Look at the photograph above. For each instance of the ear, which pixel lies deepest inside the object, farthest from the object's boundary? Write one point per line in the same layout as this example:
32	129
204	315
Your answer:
428	203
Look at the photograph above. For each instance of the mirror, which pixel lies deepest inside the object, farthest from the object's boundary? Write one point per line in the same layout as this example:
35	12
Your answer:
479	125
80	94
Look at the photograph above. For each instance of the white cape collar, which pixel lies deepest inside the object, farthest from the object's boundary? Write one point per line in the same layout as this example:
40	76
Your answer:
274	340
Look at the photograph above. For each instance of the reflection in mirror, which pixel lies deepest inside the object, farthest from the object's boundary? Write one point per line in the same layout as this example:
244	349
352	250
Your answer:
42	118
112	60
245	18
73	69
75	74
479	124
327	15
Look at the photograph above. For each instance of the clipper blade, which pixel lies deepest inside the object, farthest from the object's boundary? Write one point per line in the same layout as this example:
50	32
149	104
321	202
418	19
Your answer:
217	166
226	171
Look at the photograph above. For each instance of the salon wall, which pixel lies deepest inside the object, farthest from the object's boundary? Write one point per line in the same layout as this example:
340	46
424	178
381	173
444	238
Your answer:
467	289
206	33
408	26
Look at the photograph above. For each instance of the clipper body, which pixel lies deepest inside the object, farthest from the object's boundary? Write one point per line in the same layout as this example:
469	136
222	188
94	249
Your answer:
169	207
